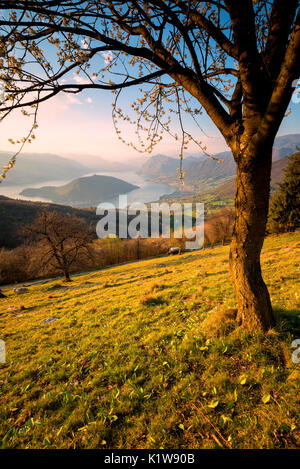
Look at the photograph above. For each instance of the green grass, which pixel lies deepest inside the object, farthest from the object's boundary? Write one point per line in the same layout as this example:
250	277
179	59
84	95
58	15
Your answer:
146	355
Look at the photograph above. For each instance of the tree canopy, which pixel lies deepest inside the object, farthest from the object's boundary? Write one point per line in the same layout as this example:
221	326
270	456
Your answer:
229	58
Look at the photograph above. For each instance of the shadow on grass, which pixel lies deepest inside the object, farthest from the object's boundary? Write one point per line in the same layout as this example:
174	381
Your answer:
288	321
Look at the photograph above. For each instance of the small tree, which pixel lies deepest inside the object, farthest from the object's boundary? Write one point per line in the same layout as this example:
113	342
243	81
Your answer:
285	205
221	226
66	239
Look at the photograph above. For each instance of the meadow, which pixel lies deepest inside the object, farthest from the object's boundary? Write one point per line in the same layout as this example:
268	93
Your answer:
147	355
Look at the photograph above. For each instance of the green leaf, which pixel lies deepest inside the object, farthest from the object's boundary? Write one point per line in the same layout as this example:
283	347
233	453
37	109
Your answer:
266	398
30	423
224	419
285	427
243	380
181	426
47	442
213	404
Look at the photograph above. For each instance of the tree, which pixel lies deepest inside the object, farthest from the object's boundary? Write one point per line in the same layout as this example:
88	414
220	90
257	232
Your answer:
237	60
285	205
219	227
65	239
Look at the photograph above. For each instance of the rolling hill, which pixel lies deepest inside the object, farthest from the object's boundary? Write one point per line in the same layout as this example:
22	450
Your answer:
83	192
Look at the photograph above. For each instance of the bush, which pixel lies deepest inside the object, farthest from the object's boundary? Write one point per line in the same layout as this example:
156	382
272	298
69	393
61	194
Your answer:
14	265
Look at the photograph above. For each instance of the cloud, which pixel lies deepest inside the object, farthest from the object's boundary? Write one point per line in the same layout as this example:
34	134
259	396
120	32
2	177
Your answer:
72	99
81	80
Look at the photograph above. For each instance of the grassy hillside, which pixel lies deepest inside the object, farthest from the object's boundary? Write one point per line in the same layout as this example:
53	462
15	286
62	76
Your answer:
145	355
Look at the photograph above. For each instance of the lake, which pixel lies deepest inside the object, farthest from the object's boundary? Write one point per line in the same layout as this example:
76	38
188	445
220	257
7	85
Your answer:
147	192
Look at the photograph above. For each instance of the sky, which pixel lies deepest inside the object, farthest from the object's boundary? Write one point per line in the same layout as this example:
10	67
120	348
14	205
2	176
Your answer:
78	125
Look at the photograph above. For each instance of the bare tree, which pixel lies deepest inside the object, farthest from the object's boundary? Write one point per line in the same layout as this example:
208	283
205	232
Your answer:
220	226
65	239
236	60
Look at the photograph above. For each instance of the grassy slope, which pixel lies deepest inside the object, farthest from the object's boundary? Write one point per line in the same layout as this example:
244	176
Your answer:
144	356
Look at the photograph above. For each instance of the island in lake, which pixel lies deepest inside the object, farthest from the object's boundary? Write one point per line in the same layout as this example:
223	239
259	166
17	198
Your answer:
83	192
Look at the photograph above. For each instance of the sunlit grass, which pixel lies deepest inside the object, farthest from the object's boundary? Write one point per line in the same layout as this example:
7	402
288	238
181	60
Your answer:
145	355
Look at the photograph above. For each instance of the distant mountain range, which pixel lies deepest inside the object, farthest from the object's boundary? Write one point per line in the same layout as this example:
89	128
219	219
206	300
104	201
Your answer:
278	168
38	167
285	145
83	192
32	168
96	163
162	165
203	174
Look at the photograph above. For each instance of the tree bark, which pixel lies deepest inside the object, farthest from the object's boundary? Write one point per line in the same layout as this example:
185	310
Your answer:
251	211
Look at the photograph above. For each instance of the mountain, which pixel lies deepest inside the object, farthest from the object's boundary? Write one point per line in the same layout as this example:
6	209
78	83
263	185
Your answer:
32	168
97	163
198	171
202	174
159	165
278	168
83	192
285	145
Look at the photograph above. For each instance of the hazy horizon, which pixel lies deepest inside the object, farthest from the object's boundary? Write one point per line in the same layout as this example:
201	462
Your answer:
81	127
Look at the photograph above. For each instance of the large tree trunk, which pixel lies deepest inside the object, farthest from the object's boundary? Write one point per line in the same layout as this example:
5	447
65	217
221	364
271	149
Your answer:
251	210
